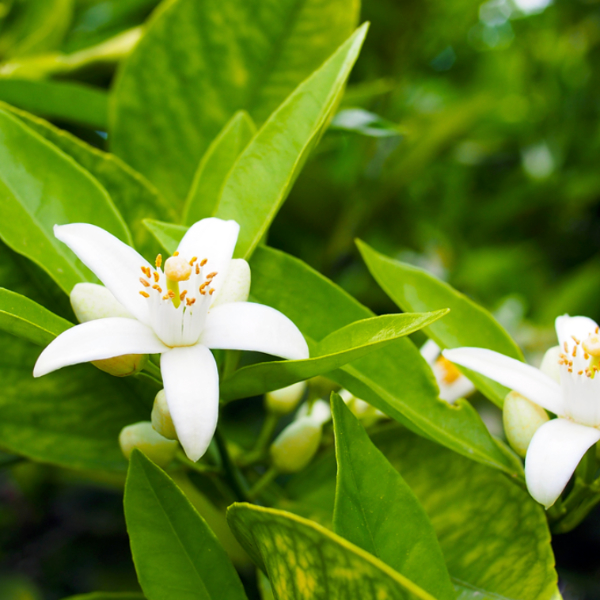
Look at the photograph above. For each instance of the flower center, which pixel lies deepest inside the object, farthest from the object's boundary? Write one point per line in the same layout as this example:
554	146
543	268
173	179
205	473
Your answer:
179	298
582	358
449	372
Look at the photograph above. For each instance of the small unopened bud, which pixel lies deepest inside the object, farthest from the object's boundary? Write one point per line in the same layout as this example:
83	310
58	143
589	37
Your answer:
177	268
91	301
319	411
161	417
550	365
296	445
142	436
284	401
521	418
360	408
236	287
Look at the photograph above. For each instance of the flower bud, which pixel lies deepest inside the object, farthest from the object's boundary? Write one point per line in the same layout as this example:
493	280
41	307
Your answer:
360	409
142	436
522	418
161	417
550	364
319	412
91	301
284	401
296	445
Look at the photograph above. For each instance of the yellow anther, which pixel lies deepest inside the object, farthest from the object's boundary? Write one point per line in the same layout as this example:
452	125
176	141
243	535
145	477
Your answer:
211	275
145	294
211	291
203	262
190	301
156	276
144	282
146	271
449	372
182	295
176	253
177	269
158	261
566	347
193	260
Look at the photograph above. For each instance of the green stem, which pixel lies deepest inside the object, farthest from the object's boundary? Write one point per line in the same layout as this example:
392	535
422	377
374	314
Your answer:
153	370
198	467
263	482
259	452
232	474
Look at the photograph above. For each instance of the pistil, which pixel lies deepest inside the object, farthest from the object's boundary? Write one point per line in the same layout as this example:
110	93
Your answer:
176	269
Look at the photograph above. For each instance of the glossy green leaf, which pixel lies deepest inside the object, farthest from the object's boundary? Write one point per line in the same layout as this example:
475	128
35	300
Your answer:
64	100
266	170
494	536
39	26
215	165
376	510
168	235
38	185
70	418
339	348
200	62
468	324
176	555
133	195
306	561
107	596
396	379
27	319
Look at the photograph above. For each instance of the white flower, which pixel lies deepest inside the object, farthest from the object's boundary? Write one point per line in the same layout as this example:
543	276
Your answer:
452	383
181	313
558	445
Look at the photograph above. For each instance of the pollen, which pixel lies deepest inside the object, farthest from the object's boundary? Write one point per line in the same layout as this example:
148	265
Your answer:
182	295
157	288
190	301
145	294
177	269
176	253
449	372
144	282
211	291
158	261
156	276
203	262
193	260
211	275
197	269
146	271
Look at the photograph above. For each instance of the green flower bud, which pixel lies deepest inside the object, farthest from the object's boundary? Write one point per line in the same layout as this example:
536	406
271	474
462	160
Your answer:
161	417
550	364
284	401
522	418
142	436
90	302
296	445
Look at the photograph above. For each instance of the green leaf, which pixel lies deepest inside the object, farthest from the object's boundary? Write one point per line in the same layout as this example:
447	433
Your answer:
266	170
134	196
339	348
70	418
215	165
107	596
200	62
376	510
396	379
168	235
27	319
66	101
306	561
175	553
38	185
494	536
468	324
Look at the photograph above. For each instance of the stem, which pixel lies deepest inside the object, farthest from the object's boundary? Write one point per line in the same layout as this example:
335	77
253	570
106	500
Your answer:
262	442
263	482
576	516
153	370
198	467
232	474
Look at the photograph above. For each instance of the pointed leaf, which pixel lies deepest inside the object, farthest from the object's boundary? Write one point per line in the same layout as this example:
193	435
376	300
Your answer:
266	170
38	185
27	319
176	555
376	510
134	196
305	561
215	165
200	62
339	348
107	596
468	324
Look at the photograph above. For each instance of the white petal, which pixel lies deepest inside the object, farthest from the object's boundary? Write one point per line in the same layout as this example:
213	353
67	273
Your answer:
430	351
91	301
553	454
97	340
236	287
451	392
213	239
191	383
249	326
116	264
567	326
515	375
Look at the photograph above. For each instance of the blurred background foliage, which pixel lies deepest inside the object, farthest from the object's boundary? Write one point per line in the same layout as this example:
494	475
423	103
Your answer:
467	143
